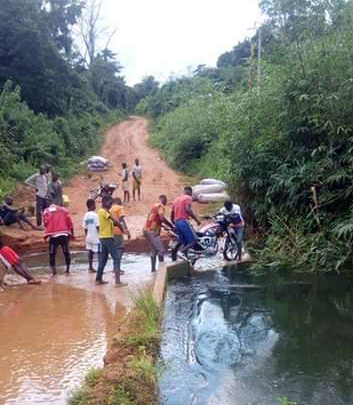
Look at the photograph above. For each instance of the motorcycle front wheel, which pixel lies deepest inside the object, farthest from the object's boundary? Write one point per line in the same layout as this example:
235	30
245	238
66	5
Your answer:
230	252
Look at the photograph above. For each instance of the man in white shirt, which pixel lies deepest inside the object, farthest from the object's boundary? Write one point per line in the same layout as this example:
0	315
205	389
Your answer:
90	224
237	223
39	181
125	183
137	175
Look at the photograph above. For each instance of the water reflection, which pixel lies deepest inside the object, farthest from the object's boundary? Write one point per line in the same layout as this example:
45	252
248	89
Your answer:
231	339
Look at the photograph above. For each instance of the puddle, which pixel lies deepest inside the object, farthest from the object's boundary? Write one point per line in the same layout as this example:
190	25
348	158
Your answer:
51	335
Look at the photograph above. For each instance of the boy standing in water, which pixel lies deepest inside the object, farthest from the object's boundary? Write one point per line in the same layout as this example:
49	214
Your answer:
91	227
9	258
59	229
125	183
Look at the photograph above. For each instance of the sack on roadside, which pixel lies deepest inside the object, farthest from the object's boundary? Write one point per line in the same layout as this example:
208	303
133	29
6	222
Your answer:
213	197
98	159
206	182
207	189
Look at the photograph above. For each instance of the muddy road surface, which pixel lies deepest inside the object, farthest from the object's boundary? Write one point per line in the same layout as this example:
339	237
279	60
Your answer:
123	143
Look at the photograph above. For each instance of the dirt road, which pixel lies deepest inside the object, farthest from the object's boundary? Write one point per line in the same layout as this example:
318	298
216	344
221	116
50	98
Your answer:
123	143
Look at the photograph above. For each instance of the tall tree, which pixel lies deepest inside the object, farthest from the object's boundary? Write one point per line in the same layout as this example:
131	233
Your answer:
61	16
107	84
95	35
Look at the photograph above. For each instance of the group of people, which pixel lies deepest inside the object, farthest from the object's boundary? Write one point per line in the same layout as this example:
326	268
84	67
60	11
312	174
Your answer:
106	228
181	214
105	232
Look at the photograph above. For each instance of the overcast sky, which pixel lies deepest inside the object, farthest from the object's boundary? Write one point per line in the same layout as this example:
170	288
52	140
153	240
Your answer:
164	37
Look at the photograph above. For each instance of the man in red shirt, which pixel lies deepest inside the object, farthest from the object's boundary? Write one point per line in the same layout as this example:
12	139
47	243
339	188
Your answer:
9	258
152	230
59	229
181	213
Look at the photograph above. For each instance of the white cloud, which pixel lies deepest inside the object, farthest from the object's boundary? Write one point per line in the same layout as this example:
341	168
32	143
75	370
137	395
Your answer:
157	37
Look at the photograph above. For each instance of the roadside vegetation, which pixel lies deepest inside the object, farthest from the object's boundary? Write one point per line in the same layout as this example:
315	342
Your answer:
278	130
56	95
130	373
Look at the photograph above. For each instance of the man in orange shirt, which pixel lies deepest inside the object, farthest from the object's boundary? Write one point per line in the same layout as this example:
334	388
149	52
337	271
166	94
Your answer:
152	230
117	213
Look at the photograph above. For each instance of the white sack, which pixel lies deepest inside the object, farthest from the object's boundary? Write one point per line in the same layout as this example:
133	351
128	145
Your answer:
97	169
206	189
98	159
213	197
97	165
206	182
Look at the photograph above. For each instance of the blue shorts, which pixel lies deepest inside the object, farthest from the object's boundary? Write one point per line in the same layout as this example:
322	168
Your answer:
185	232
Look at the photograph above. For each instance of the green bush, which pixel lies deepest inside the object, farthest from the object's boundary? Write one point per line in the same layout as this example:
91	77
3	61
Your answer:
28	140
285	151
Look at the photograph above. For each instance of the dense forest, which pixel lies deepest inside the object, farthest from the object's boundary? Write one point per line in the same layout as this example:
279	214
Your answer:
275	120
55	96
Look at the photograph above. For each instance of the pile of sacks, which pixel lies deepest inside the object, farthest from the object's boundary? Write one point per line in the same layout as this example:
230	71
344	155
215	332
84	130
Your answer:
97	164
210	190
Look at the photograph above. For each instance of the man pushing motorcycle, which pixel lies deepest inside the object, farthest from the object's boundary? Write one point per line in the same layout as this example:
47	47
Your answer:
180	216
234	217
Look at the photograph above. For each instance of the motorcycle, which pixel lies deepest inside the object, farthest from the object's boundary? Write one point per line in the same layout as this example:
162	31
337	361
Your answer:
209	238
103	190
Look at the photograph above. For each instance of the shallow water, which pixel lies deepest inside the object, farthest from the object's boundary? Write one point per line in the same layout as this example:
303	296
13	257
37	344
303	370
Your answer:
51	335
230	339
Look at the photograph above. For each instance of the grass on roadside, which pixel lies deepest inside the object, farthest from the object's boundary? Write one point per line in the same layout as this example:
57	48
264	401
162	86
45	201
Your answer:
131	372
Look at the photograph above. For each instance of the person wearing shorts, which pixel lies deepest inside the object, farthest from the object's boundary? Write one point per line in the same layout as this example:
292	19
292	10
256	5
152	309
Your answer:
90	224
181	213
11	215
10	259
59	229
152	230
137	175
125	183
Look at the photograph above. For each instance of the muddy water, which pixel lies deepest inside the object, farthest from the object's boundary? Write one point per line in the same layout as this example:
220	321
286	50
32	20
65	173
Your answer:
51	335
230	339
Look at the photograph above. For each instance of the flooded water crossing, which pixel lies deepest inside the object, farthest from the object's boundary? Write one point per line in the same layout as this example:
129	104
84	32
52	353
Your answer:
231	339
51	335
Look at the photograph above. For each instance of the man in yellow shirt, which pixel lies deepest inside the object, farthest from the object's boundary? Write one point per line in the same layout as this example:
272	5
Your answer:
106	238
117	213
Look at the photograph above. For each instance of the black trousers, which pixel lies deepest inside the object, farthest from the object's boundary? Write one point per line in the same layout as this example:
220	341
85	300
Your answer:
54	243
41	205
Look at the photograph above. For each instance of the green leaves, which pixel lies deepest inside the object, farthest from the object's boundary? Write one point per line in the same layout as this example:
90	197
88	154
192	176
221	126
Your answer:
287	150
